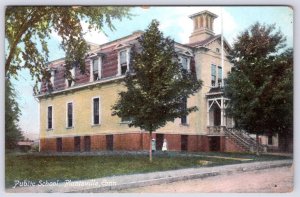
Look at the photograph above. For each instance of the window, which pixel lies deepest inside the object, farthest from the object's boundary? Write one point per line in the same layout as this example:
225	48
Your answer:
70	82
70	115
217	50
52	78
50	125
185	63
123	62
95	69
96	111
219	76
184	107
213	75
126	119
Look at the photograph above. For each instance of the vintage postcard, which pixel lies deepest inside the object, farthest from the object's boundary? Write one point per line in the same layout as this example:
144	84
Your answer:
149	99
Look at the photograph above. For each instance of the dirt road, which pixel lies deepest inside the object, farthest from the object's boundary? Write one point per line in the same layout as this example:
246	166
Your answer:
269	180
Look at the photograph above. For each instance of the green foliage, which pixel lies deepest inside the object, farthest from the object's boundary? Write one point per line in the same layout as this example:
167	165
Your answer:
157	83
28	27
261	84
12	113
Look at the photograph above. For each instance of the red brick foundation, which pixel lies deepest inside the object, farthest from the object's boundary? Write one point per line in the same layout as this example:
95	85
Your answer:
231	146
140	141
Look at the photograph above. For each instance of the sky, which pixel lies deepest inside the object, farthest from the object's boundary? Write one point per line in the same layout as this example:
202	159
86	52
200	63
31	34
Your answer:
174	22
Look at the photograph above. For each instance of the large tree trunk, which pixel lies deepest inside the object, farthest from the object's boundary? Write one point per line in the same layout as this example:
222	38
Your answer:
150	147
257	144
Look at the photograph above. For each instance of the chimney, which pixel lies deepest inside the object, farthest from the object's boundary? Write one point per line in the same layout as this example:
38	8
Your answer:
203	26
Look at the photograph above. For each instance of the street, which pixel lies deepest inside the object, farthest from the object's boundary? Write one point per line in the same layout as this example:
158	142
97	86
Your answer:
272	180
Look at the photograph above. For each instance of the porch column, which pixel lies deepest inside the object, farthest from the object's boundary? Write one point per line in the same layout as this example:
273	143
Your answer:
207	113
222	112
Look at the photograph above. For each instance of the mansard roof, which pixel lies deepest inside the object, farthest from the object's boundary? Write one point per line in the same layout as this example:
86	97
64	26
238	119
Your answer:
204	43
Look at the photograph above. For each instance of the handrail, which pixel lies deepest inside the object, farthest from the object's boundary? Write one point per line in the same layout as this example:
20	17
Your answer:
244	138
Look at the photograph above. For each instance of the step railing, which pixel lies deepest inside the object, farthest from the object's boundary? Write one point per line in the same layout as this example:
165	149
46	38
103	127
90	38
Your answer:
244	139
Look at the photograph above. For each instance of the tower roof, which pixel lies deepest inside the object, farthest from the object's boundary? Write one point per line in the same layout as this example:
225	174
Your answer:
204	12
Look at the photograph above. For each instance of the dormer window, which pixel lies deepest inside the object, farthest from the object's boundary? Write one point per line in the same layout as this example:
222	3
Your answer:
123	61
70	82
185	62
52	77
95	68
50	86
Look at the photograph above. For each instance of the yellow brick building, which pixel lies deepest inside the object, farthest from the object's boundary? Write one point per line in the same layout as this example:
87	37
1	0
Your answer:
76	116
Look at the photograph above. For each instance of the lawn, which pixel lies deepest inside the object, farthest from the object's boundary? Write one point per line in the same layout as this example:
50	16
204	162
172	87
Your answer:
53	168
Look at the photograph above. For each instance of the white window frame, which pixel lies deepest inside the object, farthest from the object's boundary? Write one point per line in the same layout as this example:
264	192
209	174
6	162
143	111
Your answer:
92	68
216	75
125	122
127	49
188	61
73	76
73	120
47	121
92	111
52	77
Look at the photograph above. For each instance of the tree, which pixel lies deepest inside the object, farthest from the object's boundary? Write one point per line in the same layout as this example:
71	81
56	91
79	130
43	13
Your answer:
156	85
12	113
260	87
27	28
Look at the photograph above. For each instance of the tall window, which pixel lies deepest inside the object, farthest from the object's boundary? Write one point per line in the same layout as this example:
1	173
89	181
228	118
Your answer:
50	117
95	69
219	76
184	107
185	62
213	75
70	115
96	111
123	61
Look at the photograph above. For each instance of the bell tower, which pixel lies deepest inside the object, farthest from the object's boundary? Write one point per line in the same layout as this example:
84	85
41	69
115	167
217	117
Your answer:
203	26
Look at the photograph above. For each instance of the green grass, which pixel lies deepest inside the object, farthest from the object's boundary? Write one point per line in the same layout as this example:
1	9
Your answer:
52	168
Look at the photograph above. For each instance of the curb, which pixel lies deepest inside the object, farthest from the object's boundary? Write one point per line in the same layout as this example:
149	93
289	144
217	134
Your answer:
201	175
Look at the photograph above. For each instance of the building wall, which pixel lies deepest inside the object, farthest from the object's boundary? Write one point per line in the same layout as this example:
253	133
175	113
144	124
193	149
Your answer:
204	59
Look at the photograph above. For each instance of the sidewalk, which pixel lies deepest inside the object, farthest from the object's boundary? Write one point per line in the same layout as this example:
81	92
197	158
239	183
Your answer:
107	184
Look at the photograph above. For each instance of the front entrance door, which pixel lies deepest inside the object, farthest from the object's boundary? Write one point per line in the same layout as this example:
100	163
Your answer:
87	143
184	143
217	116
109	142
77	144
159	141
